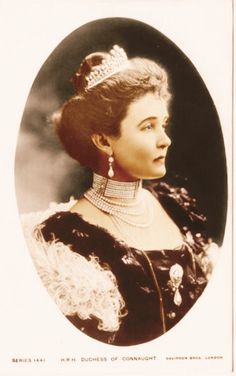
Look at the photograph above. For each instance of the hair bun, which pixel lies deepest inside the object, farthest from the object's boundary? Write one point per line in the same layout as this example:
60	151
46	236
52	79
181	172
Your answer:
85	68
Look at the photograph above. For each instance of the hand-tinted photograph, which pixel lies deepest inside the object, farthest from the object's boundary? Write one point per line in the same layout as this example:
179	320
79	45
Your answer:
121	181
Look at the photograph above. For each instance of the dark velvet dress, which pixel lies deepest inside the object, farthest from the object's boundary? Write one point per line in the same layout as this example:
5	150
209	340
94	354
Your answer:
151	304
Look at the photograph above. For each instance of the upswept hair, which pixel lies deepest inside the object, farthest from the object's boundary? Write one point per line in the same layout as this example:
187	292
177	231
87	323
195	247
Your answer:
102	108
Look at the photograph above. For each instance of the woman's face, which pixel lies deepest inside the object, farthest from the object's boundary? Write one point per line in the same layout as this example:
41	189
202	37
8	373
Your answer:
140	150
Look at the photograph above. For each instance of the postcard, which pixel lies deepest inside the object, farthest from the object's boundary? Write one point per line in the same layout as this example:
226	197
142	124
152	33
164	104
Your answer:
116	188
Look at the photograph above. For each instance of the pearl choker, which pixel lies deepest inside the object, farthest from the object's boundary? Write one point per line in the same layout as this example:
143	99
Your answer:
116	189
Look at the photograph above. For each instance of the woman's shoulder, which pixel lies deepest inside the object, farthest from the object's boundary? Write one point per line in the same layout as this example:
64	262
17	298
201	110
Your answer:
179	204
54	223
59	227
30	220
59	223
71	228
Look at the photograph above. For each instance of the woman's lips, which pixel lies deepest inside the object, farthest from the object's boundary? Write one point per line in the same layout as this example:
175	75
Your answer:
158	159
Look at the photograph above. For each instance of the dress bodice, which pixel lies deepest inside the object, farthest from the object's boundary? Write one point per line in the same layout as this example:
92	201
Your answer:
158	286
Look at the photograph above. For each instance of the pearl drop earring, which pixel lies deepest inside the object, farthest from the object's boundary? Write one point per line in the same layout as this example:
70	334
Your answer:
110	171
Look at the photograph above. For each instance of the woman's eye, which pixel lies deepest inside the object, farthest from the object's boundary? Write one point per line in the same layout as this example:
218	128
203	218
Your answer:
148	126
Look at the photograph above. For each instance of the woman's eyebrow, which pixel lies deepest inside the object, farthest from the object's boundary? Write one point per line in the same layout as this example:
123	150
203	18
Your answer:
166	118
148	118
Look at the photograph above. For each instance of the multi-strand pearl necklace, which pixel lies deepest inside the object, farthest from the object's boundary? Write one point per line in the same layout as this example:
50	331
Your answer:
120	207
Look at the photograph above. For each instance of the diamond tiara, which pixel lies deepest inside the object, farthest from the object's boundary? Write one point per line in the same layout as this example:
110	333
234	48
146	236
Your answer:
112	64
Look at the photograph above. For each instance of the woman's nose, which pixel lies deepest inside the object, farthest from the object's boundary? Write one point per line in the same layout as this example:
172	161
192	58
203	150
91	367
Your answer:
163	140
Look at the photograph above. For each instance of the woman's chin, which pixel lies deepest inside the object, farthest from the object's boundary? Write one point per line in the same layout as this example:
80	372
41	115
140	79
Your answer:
159	173
156	175
149	174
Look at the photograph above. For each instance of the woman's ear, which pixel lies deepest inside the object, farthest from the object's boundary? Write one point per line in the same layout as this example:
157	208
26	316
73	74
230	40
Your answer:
102	142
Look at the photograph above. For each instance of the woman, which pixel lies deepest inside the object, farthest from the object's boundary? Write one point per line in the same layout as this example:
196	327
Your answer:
123	263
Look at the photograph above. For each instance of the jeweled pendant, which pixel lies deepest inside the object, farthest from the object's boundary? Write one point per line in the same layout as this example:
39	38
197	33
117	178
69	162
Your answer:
177	298
110	172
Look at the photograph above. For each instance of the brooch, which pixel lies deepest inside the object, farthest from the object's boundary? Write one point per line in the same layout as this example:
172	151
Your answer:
176	274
